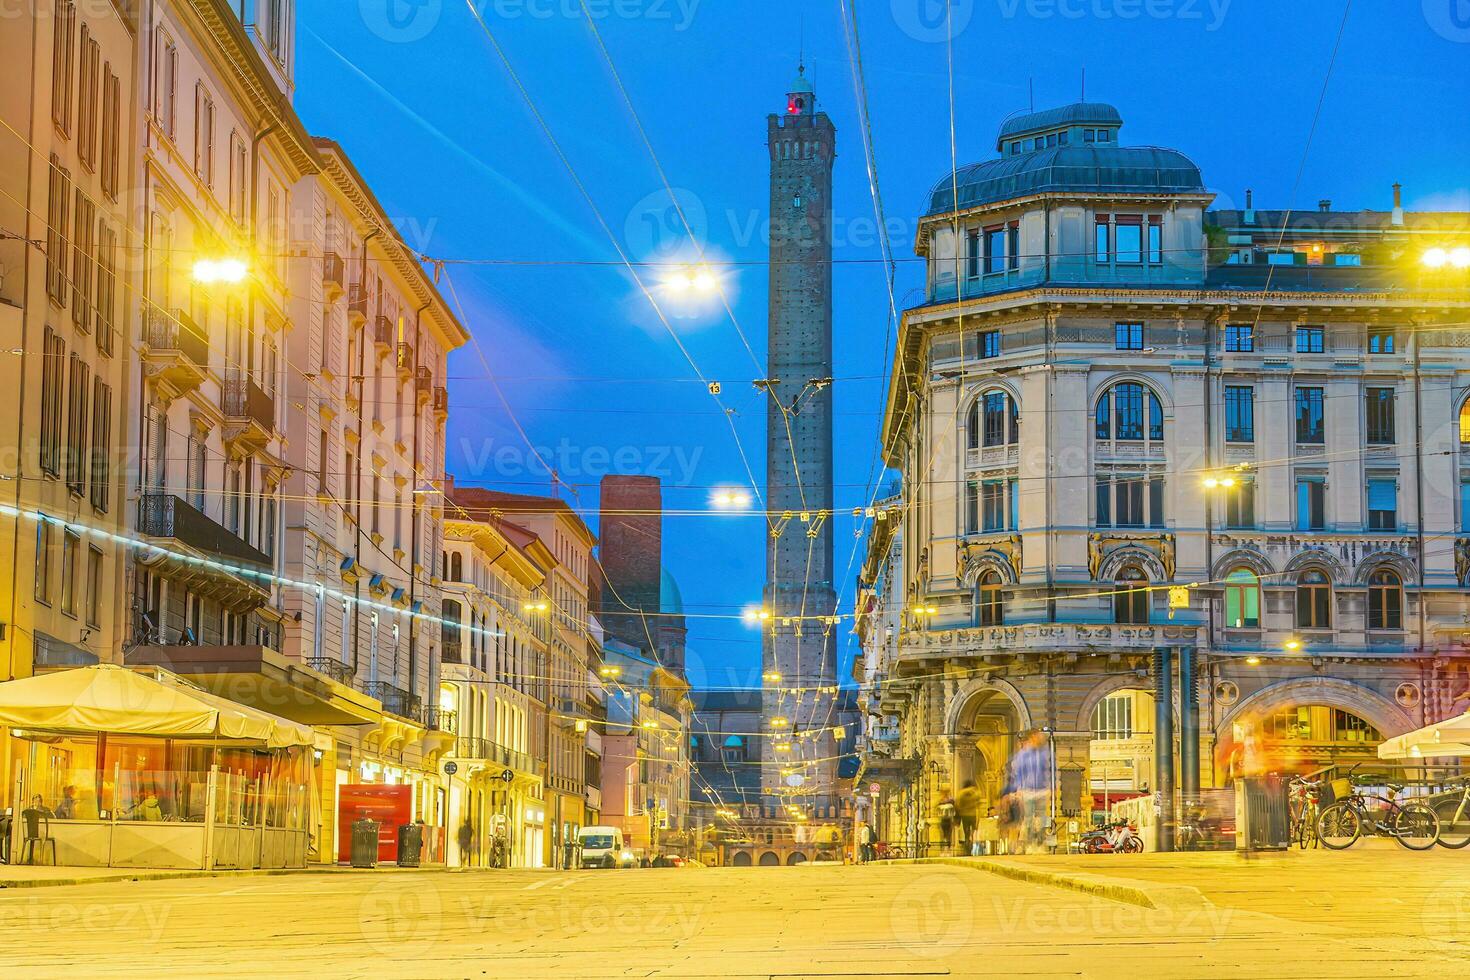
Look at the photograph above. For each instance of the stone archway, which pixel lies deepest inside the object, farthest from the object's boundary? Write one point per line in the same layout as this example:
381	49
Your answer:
795	857
741	859
770	859
1377	710
984	721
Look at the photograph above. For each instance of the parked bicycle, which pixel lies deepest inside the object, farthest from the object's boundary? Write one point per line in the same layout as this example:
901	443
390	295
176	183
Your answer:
1304	796
1453	809
1120	837
1340	824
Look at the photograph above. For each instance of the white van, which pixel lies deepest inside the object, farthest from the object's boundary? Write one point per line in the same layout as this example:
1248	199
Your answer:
602	847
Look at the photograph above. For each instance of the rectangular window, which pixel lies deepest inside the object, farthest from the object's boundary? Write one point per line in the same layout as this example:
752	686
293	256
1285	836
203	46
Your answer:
972	254
1381	340
104	304
1240	338
1379	403
79	391
87	83
990	343
323	443
111	131
995	250
71	543
1102	247
1465	505
58	221
1383	504
236	189
993	508
1013	245
53	380
1240	413
63	57
94	586
1310	429
165	102
83	260
1128	336
1309	340
1129	239
1155	240
1311	504
1240	505
43	560
204	135
100	477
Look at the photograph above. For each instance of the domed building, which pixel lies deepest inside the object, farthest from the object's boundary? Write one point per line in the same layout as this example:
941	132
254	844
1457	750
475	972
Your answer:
1179	489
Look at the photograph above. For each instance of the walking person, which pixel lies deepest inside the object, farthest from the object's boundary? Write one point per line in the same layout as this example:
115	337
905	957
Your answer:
466	842
967	808
864	842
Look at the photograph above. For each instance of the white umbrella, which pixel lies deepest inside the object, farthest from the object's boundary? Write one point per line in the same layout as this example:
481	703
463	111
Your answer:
1450	737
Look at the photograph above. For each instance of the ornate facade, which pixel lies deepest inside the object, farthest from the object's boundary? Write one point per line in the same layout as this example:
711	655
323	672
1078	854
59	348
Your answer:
1128	425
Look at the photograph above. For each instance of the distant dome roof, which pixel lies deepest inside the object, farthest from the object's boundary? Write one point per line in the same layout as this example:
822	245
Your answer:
802	85
670	599
1076	114
1097	169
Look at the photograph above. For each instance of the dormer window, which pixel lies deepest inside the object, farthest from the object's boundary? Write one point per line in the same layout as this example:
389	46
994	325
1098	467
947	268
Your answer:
1089	135
1015	147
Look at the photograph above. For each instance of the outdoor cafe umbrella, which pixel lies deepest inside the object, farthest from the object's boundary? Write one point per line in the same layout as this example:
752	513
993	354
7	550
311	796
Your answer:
106	698
1450	737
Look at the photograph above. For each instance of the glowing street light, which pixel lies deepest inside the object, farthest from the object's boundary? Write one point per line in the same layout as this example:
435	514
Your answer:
771	677
755	615
609	670
730	500
692	279
537	607
1253	660
1438	258
779	722
1219	482
220	270
1293	645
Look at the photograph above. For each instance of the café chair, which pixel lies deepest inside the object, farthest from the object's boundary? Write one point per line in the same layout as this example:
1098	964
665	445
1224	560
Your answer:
37	832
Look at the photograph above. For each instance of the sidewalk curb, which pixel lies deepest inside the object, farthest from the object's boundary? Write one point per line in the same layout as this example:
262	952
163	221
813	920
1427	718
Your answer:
126	875
1143	894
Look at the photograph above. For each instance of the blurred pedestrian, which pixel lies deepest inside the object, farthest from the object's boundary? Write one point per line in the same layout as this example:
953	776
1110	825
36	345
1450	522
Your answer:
466	842
967	808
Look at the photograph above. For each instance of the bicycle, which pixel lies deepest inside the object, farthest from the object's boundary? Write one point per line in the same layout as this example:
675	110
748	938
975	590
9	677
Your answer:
1453	810
1340	824
1305	802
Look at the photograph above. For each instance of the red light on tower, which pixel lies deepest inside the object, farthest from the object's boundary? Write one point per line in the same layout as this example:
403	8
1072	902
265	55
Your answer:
794	105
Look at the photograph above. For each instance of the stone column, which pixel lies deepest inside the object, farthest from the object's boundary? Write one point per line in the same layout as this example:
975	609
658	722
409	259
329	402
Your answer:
1164	745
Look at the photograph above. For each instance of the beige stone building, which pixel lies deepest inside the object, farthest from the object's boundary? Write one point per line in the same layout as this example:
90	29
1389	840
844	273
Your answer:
1136	434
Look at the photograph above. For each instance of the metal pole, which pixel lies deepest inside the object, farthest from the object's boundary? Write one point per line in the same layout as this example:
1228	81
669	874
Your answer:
1164	746
1188	728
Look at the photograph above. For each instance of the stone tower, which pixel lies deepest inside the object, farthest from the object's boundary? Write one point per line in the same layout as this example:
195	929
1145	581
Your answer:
798	644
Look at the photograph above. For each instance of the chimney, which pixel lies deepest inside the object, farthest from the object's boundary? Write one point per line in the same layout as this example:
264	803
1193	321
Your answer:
1325	204
1398	205
1250	207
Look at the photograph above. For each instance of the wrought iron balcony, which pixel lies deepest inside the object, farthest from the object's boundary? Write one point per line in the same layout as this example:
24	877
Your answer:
441	720
250	413
178	350
441	401
357	304
397	701
491	751
384	335
332	667
165	515
405	360
423	383
333	274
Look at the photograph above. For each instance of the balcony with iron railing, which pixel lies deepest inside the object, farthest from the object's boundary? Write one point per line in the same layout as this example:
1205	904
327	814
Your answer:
442	720
357	304
250	413
441	401
397	701
334	274
423	383
333	668
492	751
405	360
384	335
165	515
177	349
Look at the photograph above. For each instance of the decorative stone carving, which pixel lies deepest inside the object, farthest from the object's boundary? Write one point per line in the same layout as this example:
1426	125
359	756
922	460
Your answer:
1047	637
1462	559
1156	545
974	555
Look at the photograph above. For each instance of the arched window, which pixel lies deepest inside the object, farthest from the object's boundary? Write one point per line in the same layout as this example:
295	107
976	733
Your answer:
1130	597
991	611
1465	423
1242	600
449	635
456	567
1313	601
1385	601
993	421
734	749
1129	412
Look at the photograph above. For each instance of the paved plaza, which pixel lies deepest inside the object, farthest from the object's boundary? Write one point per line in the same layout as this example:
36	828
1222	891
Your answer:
1159	916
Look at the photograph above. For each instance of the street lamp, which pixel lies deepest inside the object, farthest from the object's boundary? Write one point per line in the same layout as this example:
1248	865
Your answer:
230	271
1438	258
755	615
540	606
692	279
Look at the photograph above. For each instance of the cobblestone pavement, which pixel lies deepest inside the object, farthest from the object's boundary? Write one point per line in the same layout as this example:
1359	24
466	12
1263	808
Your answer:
815	921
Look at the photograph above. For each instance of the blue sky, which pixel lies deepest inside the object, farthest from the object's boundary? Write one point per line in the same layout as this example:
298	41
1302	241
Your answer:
420	100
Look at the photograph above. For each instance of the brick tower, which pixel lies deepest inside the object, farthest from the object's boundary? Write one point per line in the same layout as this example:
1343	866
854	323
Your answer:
799	594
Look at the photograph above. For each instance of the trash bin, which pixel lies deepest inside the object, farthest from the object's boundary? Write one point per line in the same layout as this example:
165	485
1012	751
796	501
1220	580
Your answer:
410	844
1262	817
364	843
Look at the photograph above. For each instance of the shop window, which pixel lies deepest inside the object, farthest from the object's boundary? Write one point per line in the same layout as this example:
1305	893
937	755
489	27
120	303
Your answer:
1242	600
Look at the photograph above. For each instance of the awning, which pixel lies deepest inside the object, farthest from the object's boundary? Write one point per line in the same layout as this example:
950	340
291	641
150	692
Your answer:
109	699
1450	737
